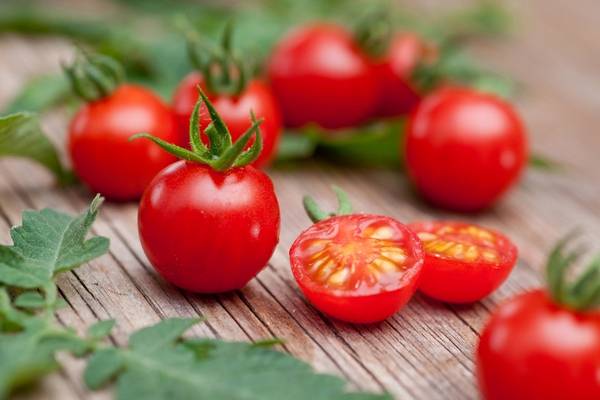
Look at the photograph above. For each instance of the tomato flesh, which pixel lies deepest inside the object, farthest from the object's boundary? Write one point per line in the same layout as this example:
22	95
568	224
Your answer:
532	348
463	262
357	268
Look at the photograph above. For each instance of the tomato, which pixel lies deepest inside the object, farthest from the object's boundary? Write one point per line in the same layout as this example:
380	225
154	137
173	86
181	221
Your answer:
357	268
463	262
535	349
319	75
101	153
234	110
208	231
397	95
464	148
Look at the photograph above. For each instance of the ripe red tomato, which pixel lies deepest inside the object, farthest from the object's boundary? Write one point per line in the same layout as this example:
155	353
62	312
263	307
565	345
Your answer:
257	97
397	94
463	262
99	146
357	268
534	349
319	75
464	148
208	231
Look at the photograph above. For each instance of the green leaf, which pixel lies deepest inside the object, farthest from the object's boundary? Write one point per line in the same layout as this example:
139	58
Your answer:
30	300
41	93
158	365
22	136
541	162
101	329
49	242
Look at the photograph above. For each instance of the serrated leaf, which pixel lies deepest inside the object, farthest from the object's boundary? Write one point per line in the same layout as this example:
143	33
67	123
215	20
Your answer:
101	329
22	136
49	242
158	366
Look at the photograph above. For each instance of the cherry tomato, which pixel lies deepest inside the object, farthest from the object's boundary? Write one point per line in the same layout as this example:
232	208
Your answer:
319	75
257	97
99	146
208	231
357	268
397	94
535	349
464	148
463	262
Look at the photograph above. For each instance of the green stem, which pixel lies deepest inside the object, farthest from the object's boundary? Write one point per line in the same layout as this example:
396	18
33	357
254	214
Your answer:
316	214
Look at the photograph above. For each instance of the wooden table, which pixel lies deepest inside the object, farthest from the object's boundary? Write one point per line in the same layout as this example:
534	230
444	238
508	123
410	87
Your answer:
423	352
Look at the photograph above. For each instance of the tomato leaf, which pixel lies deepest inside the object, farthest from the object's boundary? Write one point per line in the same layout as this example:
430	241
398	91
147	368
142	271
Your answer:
30	300
47	243
22	136
101	329
41	93
160	365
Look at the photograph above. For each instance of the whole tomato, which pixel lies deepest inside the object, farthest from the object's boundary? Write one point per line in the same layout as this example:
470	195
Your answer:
319	75
397	94
234	109
464	148
210	223
358	268
101	153
545	344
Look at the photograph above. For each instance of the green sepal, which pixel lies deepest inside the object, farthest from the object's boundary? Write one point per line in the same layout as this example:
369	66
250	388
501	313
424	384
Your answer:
316	213
94	76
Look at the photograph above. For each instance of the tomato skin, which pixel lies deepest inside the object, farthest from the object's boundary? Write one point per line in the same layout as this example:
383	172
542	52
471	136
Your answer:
100	150
235	111
464	148
533	349
208	231
397	95
360	306
456	281
319	75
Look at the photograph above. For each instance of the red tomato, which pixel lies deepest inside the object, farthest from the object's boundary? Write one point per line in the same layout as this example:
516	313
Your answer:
235	111
208	231
397	94
319	75
102	155
533	349
463	262
464	148
357	268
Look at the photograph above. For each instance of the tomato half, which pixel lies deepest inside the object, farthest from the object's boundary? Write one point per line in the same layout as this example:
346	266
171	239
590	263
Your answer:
357	268
101	153
463	262
533	349
209	231
234	110
464	148
319	75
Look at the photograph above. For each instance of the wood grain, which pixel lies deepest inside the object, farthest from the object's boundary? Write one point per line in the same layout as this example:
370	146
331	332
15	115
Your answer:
424	352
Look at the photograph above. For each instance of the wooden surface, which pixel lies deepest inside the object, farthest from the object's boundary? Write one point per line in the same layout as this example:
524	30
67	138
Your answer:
423	352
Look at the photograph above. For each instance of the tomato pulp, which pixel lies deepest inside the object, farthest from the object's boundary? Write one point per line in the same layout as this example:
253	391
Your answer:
464	148
101	153
463	262
208	231
319	75
234	110
357	268
534	349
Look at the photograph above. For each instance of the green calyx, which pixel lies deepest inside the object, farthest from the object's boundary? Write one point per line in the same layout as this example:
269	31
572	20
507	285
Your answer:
584	292
94	76
222	153
316	214
222	70
374	32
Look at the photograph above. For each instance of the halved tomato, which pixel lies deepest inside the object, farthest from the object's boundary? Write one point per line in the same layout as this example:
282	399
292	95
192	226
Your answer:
463	262
357	268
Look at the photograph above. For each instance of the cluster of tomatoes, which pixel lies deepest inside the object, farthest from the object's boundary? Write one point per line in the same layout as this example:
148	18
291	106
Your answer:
210	221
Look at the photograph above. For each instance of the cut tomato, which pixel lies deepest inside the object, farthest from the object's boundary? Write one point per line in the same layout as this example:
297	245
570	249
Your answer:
357	268
463	262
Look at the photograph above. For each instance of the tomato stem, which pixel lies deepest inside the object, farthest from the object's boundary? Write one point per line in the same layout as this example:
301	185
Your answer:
584	293
316	214
222	153
93	76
